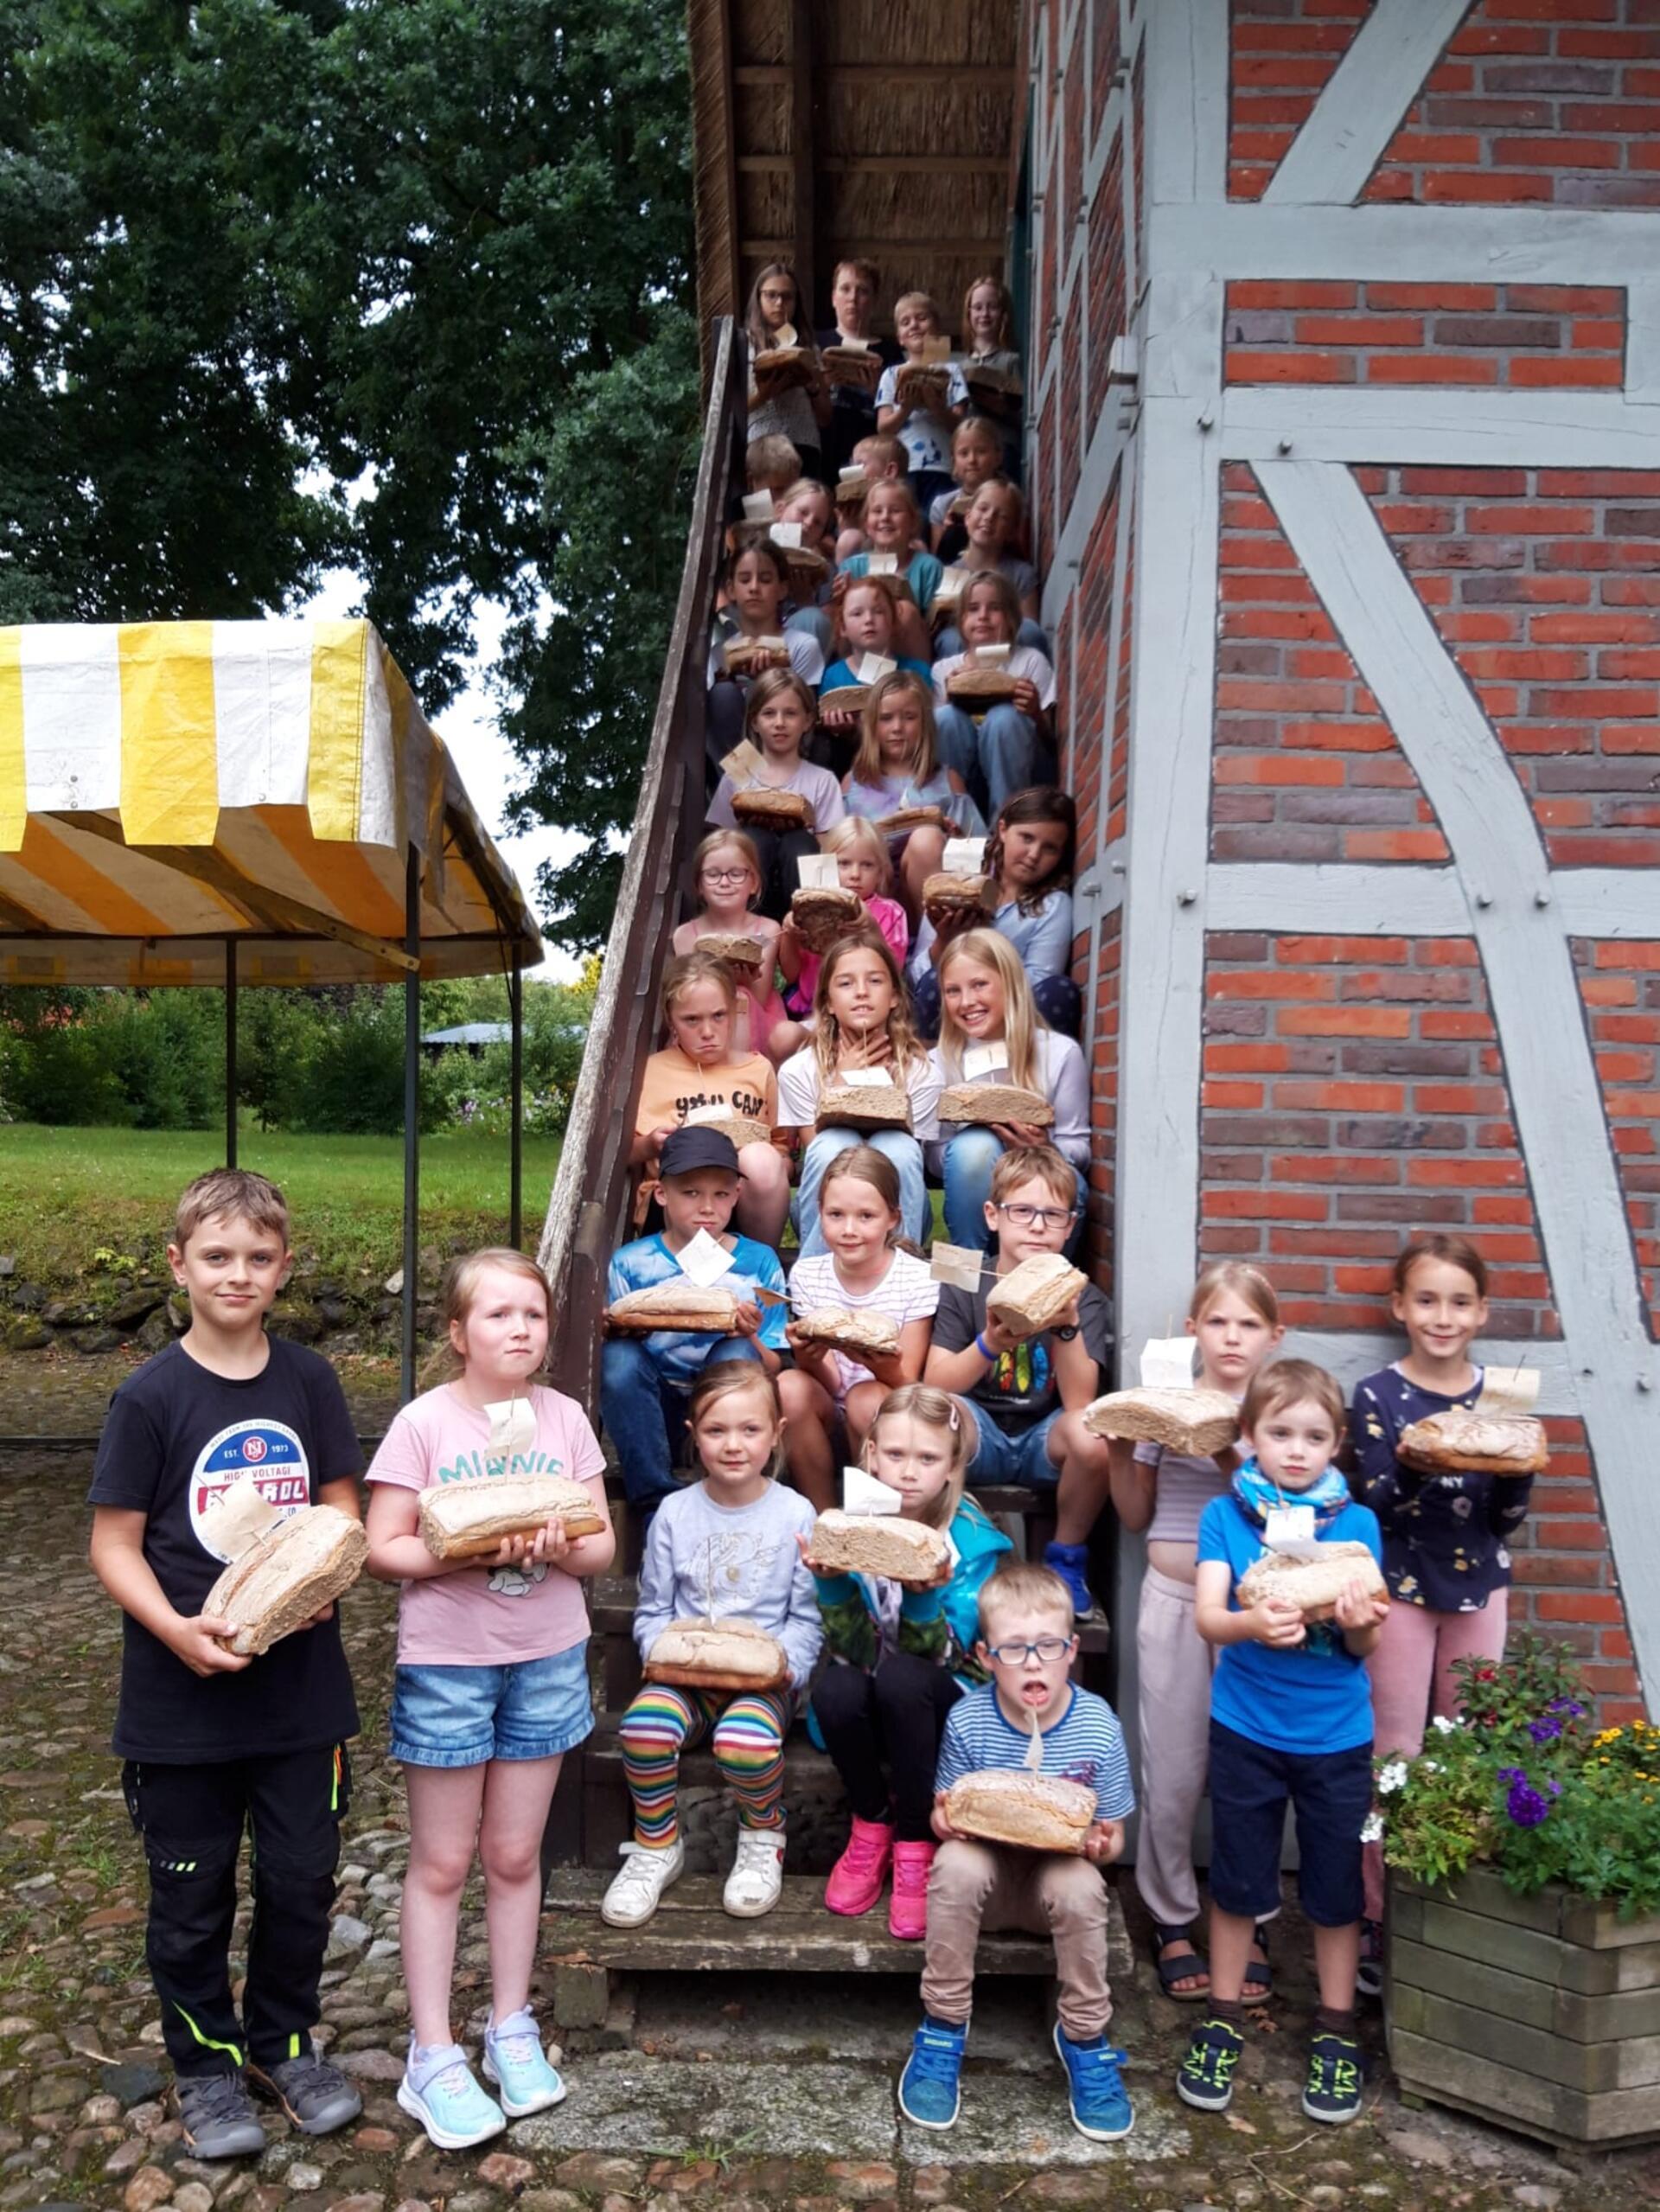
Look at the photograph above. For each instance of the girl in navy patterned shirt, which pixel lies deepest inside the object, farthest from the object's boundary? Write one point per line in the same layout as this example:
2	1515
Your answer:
1444	1534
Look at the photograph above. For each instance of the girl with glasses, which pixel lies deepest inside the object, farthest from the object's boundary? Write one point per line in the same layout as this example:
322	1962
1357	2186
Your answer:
726	872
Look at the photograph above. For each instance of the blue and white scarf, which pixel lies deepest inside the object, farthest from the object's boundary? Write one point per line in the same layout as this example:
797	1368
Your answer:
1257	1495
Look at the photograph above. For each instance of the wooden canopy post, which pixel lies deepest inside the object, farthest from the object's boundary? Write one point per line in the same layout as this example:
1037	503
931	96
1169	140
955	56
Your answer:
230	1052
411	1113
516	1100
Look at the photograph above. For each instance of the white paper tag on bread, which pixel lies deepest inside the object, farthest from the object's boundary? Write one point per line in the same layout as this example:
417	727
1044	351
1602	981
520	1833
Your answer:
953	583
787	535
779	644
935	350
963	856
1167	1363
1034	1760
982	1060
819	872
241	1518
864	1079
763	1296
853	474
1508	1390
757	506
863	1494
783	338
1284	1525
957	1265
870	668
851	346
512	1427
988	657
704	1260
882	564
1298	1547
742	764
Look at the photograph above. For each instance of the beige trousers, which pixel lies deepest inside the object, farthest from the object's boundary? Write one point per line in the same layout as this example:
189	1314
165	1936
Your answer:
1175	1708
976	1885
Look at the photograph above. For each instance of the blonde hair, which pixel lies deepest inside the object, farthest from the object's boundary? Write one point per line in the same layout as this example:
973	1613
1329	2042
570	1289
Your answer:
1039	1163
1010	496
768	460
233	1194
1022	1023
799	489
724	1379
1019	1586
879	451
827	1033
863	1163
991	584
935	1409
867	761
893	488
723	841
1245	1282
459	1293
983	427
907	300
1004	333
854	833
687	969
768	685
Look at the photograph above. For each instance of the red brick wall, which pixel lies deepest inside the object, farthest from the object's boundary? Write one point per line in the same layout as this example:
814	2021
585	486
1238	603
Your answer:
1507	335
1281	54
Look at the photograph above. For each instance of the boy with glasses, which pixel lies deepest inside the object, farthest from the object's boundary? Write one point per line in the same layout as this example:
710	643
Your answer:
1028	1394
1027	1643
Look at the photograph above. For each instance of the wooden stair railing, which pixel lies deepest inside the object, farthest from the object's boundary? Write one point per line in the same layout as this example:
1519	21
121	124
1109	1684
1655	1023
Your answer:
585	1212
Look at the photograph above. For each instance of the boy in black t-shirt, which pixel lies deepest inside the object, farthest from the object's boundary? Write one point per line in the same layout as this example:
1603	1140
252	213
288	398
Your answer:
213	1742
1028	1394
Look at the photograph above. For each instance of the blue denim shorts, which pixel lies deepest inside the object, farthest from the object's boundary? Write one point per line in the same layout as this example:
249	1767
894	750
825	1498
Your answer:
1000	1457
464	1716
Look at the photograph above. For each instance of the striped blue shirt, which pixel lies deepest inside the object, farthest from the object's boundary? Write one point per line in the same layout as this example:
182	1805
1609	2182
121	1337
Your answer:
1085	1745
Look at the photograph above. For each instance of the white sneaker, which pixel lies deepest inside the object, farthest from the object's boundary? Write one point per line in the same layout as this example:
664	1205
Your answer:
637	1889
757	1880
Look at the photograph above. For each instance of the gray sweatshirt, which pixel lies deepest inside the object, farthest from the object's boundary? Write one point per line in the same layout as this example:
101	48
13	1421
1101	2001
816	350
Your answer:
703	1558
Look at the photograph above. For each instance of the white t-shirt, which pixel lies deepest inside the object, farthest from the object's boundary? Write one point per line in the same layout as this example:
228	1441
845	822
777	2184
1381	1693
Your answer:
926	438
798	1093
906	1293
1024	661
806	655
816	785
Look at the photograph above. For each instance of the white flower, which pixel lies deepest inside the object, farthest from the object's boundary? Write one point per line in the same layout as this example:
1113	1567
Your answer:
1427	1767
1392	1778
1442	1726
1372	1830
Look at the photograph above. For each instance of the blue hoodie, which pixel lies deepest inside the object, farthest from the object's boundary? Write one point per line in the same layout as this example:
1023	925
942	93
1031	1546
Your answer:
862	1621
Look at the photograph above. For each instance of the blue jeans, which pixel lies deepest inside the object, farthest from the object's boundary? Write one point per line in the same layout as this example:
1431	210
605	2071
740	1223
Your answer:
1056	997
966	1170
464	1716
1002	1456
1032	633
996	757
905	1153
644	1415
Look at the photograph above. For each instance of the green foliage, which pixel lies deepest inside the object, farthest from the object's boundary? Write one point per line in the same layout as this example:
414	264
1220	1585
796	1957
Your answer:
1522	1782
153	1063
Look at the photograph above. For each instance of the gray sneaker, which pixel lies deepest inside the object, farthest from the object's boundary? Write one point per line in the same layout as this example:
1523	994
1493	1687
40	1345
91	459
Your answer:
219	2121
317	2096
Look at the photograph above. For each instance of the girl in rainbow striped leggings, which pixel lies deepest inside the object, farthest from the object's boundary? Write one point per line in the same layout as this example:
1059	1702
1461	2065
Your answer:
723	1549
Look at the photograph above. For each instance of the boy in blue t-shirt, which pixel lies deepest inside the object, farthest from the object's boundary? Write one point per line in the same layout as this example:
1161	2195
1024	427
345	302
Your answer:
645	1383
1291	1716
1027	1644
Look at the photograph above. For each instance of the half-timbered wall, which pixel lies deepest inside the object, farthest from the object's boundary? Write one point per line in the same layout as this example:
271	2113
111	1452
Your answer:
1344	396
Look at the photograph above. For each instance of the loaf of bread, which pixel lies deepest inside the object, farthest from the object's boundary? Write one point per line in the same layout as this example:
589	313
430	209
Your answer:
748	952
1312	1585
903	820
859	1544
1194	1422
923	384
738	1127
1031	1297
844	699
979	1104
851	490
864	1106
972	686
758	806
1461	1442
852	365
1007	1805
985	382
856	1334
306	1562
808	569
949	898
717	1655
684	1305
781	367
464	1520
822	917
750	656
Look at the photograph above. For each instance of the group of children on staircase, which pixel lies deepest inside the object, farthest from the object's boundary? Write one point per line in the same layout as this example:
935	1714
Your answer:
730	1445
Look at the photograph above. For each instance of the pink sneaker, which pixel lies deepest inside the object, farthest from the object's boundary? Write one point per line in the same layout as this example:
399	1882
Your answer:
856	1877
908	1906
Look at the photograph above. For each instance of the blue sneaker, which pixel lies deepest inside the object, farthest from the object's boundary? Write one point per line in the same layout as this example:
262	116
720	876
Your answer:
927	2088
515	2062
439	2090
1071	1563
1100	2108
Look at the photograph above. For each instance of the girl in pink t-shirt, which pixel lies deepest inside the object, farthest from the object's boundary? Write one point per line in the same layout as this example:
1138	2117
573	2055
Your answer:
491	1687
863	868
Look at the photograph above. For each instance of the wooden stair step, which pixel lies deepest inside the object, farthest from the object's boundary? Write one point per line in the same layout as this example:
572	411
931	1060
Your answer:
612	1600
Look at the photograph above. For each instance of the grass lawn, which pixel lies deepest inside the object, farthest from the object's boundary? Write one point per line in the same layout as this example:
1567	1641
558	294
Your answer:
70	1199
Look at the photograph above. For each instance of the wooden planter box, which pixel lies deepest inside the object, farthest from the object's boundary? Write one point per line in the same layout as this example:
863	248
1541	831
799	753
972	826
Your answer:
1541	2013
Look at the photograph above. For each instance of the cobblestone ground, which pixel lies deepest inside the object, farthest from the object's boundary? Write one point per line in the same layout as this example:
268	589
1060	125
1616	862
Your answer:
713	2090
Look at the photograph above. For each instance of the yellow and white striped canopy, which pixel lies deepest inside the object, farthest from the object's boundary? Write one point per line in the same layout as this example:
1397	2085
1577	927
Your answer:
167	786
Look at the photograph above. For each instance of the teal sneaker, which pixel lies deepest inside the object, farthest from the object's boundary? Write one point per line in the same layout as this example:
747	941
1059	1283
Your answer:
439	2091
515	2062
929	2091
1100	2108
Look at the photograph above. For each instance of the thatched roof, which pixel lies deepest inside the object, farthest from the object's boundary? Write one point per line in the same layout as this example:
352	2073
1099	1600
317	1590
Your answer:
826	128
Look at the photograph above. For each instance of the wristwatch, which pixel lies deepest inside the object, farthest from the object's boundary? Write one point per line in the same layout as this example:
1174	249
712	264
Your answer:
1066	1336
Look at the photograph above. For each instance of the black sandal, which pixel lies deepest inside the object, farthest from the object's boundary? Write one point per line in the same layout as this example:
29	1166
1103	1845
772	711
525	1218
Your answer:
1171	1971
1259	1980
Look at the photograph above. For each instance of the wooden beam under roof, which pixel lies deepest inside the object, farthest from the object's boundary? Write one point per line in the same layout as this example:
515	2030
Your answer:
802	148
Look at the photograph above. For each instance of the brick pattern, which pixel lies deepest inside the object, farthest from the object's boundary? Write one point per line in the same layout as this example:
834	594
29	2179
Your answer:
1619	987
1564	1585
1306	768
1545	584
1281	54
1353	1093
1555	102
1563	337
1105	281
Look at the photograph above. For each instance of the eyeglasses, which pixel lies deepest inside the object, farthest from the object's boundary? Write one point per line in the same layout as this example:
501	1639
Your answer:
724	875
1047	1648
1038	1217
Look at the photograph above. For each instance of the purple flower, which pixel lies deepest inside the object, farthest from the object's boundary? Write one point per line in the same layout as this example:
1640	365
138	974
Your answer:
1566	1705
1544	1731
1526	1805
